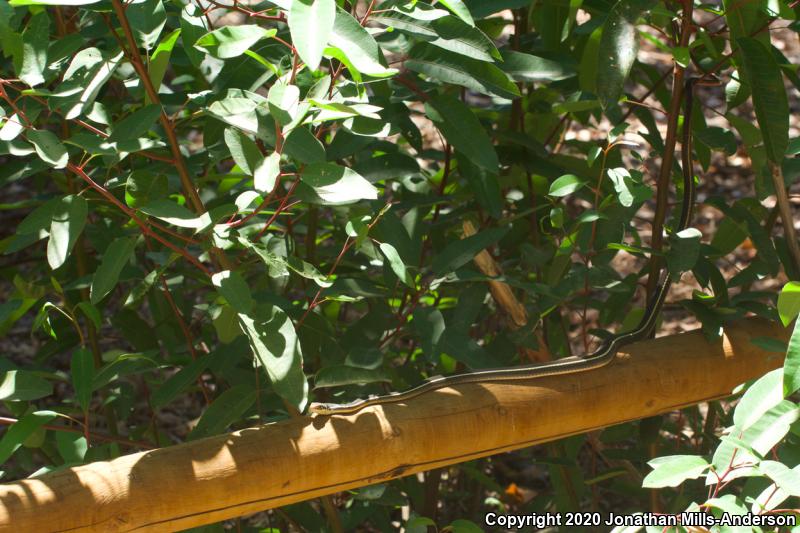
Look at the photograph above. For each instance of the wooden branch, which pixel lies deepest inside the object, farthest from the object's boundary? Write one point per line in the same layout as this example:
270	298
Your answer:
505	299
785	210
501	292
269	466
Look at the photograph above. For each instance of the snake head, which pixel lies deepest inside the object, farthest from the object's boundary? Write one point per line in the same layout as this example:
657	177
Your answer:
321	408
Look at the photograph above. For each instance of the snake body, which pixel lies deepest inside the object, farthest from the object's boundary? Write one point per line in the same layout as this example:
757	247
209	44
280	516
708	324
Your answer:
568	365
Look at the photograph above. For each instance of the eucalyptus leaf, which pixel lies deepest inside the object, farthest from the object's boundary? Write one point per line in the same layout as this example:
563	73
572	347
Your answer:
66	224
311	23
276	348
114	260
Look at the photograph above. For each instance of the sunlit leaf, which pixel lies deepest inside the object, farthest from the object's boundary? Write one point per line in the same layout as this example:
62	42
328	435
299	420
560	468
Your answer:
762	396
67	222
232	286
310	24
396	264
454	68
672	470
21	385
48	147
789	302
18	432
335	185
232	41
35	40
276	348
565	185
618	47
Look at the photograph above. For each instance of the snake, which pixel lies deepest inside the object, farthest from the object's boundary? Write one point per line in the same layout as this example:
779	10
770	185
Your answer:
601	357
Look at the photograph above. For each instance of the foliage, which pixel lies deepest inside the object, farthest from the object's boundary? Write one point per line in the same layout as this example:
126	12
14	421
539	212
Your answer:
228	211
754	469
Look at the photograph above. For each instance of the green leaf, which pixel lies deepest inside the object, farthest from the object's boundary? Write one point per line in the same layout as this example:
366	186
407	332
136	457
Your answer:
448	31
48	147
91	313
310	25
771	428
769	96
565	185
335	185
762	396
277	263
232	286
681	56
303	146
157	66
193	26
66	225
177	215
428	325
276	348
12	127
449	67
232	41
266	173
147	19
71	447
88	72
789	302
672	470
243	149
619	45
557	217
531	68
19	432
717	139
396	264
228	408
236	111
226	324
23	386
787	479
339	375
729	235
464	526
39	219
143	187
115	258
123	365
82	373
178	382
791	366
463	130
484	184
283	100
458	8
684	251
459	252
136	124
35	40
418	524
729	504
358	45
